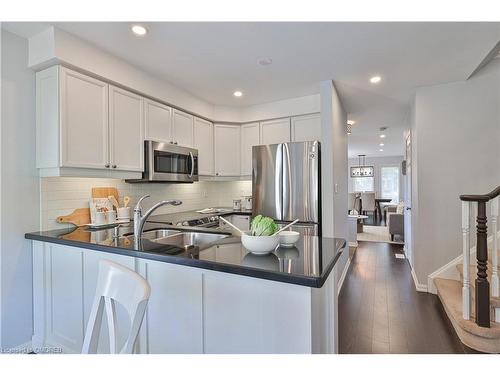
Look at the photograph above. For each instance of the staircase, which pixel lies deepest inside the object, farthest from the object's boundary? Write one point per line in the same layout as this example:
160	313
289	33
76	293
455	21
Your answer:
473	303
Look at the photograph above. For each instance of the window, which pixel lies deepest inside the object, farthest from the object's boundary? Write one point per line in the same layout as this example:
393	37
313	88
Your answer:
389	183
362	184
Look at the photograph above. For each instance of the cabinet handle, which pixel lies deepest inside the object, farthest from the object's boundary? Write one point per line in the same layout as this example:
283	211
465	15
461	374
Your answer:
114	165
175	142
107	165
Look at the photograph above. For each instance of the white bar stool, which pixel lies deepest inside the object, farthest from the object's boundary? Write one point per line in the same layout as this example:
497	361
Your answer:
116	283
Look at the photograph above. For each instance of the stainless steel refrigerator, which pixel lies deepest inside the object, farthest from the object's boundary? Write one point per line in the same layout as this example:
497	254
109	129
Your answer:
286	183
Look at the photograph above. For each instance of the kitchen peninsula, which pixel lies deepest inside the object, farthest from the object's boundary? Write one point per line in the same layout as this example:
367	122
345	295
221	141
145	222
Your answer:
213	297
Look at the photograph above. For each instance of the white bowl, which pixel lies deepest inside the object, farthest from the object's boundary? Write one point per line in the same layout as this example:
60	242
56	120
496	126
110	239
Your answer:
288	238
259	244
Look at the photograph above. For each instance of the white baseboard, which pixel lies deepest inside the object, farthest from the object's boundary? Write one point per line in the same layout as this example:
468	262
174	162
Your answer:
419	287
449	270
343	276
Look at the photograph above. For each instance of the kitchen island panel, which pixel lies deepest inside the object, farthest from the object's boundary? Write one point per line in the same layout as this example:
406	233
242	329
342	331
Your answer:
245	315
173	320
191	310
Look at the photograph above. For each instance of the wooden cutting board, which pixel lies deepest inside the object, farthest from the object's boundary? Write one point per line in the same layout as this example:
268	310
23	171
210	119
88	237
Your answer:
104	192
81	216
78	217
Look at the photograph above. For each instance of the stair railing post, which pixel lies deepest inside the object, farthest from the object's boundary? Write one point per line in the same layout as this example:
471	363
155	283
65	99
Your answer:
466	296
482	295
494	256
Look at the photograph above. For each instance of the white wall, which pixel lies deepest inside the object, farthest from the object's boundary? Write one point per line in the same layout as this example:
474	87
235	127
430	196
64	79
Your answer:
55	45
334	167
19	191
281	108
61	195
456	138
378	163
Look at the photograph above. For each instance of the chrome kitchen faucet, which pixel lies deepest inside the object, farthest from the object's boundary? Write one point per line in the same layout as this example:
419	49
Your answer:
140	220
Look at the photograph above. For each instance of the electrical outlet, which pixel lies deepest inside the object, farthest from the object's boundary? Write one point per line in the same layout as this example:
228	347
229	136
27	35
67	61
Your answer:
204	194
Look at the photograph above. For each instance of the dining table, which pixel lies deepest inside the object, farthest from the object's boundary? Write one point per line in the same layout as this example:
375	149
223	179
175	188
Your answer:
378	208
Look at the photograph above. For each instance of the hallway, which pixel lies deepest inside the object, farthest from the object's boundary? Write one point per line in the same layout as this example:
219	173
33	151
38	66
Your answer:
381	312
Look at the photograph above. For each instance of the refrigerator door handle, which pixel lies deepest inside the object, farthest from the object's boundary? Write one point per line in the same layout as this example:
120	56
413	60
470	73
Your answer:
287	182
278	183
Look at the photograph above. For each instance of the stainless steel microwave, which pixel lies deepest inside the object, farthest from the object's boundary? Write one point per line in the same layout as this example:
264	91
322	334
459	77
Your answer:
166	162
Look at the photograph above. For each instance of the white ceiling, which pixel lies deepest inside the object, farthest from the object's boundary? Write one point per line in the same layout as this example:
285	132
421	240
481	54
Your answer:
211	60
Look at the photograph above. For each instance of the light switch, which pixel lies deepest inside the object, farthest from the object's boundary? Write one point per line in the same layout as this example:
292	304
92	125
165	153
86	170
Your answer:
336	188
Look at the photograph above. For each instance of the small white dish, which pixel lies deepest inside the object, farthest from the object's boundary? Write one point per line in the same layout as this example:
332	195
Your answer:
288	238
259	245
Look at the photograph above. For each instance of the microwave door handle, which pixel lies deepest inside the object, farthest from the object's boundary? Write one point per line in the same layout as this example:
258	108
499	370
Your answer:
192	164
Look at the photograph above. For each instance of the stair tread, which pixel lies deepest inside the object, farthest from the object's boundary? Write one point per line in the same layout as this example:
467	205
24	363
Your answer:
483	339
450	293
494	301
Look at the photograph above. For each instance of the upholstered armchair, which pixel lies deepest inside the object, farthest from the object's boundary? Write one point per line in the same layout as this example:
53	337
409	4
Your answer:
395	222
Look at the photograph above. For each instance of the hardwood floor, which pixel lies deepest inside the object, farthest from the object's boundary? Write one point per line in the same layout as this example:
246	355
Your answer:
374	220
381	312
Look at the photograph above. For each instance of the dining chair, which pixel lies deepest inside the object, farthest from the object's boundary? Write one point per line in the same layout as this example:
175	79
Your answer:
353	201
368	200
116	283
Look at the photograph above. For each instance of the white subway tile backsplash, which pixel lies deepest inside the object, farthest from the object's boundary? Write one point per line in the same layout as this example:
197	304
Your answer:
62	195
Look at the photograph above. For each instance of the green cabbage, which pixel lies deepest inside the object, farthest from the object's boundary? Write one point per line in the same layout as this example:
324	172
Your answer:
263	226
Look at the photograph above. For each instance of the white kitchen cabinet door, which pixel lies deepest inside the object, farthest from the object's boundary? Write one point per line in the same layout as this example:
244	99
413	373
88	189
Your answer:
126	130
241	221
84	121
227	150
174	318
306	128
157	121
182	128
65	322
250	136
275	131
204	143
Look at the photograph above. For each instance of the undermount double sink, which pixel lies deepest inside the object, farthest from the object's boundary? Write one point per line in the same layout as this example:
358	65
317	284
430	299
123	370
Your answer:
182	239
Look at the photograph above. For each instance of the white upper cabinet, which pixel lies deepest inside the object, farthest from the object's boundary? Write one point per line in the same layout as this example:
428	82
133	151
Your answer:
250	136
204	143
158	121
126	130
227	150
84	120
182	133
85	126
275	131
306	128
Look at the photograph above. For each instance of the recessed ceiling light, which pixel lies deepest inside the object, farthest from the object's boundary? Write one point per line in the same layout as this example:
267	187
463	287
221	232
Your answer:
237	94
139	30
382	135
381	145
381	149
265	61
375	79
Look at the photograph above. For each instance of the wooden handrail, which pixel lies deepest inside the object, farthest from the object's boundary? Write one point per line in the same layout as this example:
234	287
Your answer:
481	198
482	285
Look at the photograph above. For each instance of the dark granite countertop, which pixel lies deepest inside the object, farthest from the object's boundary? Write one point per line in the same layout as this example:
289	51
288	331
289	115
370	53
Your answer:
308	263
176	217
